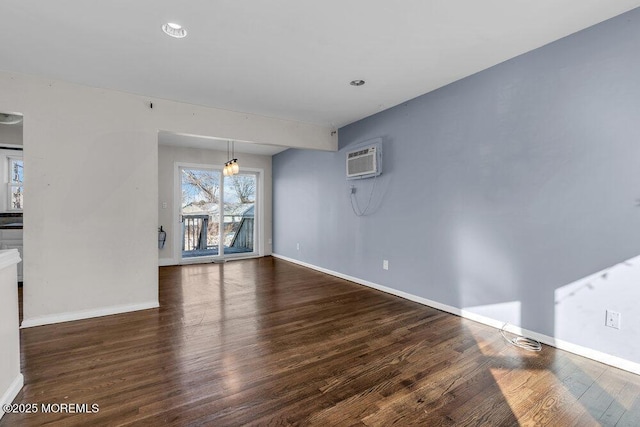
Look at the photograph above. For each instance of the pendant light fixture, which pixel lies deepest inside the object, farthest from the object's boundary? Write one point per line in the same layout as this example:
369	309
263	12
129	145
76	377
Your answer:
231	167
10	119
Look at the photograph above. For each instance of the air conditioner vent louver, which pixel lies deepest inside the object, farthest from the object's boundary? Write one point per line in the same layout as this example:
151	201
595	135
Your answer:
359	153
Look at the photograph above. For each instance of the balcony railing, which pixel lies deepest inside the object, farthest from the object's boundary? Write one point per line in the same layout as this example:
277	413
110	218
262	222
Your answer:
194	230
199	238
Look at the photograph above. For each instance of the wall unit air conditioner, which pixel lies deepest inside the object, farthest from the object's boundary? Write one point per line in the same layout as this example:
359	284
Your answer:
364	162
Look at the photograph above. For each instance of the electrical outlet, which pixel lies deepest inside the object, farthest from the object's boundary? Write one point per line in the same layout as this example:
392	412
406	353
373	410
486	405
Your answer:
164	205
385	264
613	319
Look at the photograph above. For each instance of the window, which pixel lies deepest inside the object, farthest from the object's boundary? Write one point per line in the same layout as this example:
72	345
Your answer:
15	183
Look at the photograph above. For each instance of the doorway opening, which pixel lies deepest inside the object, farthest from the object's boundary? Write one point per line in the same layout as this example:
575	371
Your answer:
12	190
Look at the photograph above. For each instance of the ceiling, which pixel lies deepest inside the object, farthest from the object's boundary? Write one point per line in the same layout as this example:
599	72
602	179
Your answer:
288	59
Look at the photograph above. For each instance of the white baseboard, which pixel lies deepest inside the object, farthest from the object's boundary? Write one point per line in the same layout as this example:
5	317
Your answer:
164	262
11	392
589	353
86	314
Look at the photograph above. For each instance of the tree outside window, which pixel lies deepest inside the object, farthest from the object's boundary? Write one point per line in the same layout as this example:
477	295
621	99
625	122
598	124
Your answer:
16	184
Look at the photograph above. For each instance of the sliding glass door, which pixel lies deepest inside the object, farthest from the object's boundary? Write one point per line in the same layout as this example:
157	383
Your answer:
217	213
200	212
239	207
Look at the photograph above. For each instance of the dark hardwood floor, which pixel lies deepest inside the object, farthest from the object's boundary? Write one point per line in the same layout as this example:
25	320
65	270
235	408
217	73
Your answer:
266	342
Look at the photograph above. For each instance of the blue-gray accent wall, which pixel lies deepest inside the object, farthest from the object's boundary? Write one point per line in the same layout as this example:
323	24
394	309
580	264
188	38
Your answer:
501	187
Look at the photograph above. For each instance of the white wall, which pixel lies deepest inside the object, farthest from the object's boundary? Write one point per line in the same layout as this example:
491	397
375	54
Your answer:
10	377
167	158
92	189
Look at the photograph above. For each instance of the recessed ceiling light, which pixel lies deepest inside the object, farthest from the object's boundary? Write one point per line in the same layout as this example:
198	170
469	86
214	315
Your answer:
356	82
174	30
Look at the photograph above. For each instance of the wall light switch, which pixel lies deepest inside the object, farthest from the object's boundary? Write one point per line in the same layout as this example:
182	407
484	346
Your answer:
385	264
164	205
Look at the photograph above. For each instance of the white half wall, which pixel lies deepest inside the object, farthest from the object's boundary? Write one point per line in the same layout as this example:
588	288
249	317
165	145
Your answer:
91	186
11	380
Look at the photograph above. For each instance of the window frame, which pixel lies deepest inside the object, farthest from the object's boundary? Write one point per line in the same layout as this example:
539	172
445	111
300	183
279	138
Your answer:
11	184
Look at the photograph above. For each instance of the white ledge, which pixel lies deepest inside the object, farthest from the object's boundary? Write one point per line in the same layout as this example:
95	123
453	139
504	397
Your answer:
9	257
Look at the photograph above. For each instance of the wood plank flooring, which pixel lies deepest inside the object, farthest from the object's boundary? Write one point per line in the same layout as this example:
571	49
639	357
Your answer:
267	342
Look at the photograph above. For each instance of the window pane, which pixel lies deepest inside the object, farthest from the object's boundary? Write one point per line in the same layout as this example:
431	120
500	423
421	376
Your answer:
239	204
16	170
200	212
15	198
